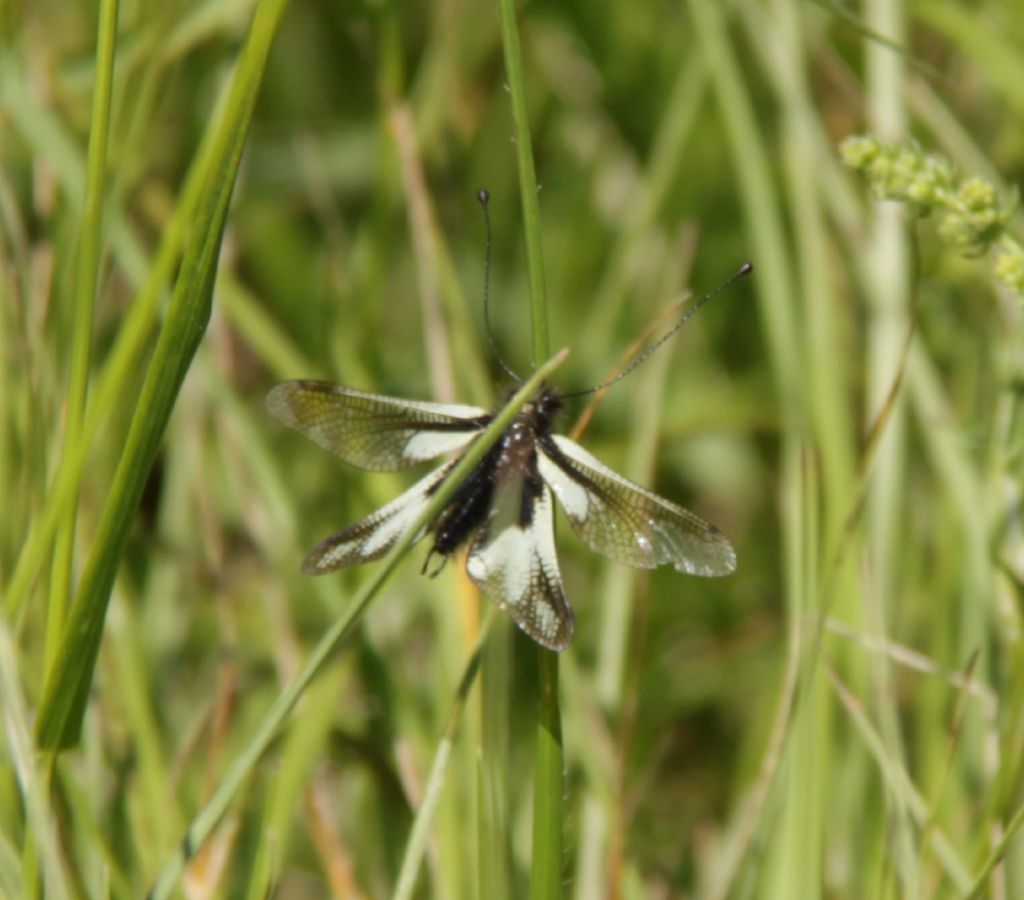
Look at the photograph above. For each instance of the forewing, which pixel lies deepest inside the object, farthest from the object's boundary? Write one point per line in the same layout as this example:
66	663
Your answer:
372	537
516	566
625	522
373	431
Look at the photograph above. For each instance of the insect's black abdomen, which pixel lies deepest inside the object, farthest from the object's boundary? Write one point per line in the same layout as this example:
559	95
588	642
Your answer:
467	510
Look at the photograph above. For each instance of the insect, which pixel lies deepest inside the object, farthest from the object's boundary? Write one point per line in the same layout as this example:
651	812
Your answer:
504	509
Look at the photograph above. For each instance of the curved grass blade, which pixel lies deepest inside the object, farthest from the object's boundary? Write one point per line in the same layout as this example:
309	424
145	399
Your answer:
898	781
67	685
32	780
417	845
123	360
997	854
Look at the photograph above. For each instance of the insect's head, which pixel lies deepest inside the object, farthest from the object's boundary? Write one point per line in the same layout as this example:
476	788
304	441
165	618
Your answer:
546	405
542	409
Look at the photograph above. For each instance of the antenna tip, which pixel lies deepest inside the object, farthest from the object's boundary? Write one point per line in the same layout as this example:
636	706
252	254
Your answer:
746	268
483	195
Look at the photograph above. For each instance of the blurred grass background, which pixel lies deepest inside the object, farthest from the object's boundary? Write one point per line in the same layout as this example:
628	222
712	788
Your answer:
842	718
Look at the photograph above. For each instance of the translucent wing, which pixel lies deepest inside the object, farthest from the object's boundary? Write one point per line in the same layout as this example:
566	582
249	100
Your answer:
373	431
623	521
372	537
514	563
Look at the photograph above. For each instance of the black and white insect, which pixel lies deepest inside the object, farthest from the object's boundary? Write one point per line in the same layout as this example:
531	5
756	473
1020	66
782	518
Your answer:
503	510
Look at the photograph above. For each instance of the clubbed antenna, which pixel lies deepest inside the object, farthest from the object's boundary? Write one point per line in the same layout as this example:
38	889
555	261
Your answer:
484	197
745	269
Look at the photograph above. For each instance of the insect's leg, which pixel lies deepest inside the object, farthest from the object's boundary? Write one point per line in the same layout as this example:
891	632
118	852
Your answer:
426	563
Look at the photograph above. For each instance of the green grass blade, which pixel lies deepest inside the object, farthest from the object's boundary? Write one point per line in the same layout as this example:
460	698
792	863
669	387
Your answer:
527	180
41	827
997	855
888	274
85	299
67	687
417	845
207	819
546	874
549	789
494	784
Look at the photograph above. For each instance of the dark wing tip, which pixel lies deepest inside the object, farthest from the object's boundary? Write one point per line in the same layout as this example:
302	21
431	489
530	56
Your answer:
557	644
561	643
561	640
313	564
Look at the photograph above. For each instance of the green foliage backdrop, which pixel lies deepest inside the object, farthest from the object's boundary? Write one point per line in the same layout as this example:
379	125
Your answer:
842	718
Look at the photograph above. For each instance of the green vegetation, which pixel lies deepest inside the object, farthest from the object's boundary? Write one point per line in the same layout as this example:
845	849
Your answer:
201	199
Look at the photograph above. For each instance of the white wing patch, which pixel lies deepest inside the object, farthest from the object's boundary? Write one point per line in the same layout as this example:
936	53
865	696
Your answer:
424	445
518	569
506	564
626	522
570	493
370	538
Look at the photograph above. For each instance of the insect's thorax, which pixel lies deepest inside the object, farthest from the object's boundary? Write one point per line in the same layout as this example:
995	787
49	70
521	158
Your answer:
508	474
